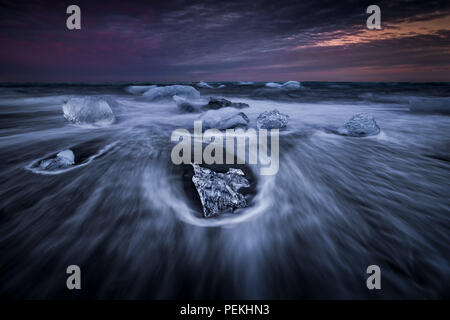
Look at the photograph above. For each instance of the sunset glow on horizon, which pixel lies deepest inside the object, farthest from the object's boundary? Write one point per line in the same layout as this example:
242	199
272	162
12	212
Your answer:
217	41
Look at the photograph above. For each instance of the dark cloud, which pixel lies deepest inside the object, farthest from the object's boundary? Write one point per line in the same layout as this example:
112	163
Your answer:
220	40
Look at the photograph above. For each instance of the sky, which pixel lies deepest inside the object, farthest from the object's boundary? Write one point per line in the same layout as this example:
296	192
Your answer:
224	40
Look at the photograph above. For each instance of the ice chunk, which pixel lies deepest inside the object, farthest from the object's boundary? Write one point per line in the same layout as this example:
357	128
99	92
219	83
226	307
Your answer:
203	84
289	85
272	120
88	110
139	89
167	92
245	83
225	118
62	160
360	125
219	191
66	156
273	85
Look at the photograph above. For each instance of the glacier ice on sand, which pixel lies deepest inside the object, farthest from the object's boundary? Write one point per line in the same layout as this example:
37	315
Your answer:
88	110
167	92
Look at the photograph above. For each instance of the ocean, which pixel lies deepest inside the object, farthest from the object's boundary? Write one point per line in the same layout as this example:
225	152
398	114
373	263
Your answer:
132	221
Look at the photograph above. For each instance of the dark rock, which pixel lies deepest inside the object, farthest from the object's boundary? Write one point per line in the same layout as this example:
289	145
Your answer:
217	103
189	105
197	105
